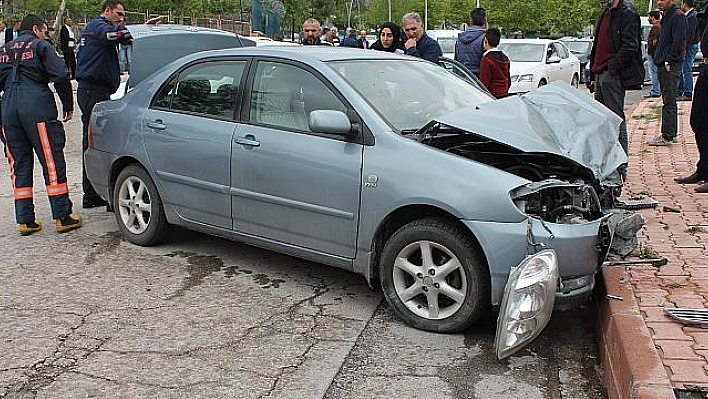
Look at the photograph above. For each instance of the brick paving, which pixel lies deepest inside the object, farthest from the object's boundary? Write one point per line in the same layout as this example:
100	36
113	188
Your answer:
677	229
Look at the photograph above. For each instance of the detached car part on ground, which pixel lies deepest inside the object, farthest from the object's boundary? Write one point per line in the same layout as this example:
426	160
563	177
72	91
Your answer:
382	164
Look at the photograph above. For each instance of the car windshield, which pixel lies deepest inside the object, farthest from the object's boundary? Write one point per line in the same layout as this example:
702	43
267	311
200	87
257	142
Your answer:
408	93
523	52
578	47
447	44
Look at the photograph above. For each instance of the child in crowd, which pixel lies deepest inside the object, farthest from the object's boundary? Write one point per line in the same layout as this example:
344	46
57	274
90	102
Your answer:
494	66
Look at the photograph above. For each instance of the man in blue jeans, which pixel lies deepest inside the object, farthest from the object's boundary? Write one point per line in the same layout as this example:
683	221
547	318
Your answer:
654	18
693	37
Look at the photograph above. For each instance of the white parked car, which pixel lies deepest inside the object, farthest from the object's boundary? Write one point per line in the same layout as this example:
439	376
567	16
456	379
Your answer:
537	62
447	39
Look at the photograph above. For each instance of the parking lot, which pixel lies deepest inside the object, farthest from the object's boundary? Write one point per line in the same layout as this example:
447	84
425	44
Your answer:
87	314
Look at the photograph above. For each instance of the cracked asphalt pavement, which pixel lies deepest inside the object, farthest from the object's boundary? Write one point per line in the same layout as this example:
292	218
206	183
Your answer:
88	315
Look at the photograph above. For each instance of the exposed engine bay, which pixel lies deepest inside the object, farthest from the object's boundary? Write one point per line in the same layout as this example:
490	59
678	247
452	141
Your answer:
561	191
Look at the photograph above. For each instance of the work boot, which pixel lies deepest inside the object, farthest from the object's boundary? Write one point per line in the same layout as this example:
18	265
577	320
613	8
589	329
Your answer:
29	228
68	223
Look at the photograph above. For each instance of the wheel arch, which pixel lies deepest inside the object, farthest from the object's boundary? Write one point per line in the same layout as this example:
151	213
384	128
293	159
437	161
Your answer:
123	162
116	168
400	217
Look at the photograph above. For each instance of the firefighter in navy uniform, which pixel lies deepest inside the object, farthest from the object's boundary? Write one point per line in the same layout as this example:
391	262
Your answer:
29	118
98	73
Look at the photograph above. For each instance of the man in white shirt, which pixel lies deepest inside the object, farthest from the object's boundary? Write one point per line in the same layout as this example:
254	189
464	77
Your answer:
67	42
3	27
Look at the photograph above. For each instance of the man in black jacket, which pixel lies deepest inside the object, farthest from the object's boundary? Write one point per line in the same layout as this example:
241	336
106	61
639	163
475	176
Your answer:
616	58
11	33
98	73
68	44
418	44
699	124
669	61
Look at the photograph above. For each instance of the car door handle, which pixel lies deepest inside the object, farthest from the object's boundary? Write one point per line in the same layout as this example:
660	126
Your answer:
248	140
157	125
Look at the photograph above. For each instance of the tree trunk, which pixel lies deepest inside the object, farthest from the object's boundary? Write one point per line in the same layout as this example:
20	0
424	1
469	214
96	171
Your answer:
60	14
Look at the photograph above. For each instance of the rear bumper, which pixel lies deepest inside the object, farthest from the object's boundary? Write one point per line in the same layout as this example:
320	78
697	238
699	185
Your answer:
98	170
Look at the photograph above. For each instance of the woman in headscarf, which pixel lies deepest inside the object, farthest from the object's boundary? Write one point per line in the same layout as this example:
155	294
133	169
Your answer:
389	38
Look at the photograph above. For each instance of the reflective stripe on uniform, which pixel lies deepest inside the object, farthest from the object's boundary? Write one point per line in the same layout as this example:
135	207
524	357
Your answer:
48	154
10	159
23	193
57	189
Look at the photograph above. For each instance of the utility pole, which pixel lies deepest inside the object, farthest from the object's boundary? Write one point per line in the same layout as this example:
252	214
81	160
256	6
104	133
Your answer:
389	10
426	15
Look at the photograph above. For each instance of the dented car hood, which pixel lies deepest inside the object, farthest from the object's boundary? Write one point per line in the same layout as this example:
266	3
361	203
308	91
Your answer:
556	119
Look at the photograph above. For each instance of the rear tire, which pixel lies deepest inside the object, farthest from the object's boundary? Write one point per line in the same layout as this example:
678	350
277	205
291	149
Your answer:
542	82
575	81
138	207
434	276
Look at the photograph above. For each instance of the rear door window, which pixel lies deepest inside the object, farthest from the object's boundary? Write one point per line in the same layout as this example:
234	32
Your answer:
210	88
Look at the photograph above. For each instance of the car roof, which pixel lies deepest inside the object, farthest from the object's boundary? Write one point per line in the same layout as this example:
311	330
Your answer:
443	32
307	53
535	41
575	39
158	45
140	30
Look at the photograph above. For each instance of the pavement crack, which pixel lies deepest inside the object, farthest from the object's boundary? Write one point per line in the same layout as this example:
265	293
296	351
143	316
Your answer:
64	358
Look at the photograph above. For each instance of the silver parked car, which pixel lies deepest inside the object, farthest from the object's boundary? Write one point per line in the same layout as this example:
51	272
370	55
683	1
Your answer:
382	164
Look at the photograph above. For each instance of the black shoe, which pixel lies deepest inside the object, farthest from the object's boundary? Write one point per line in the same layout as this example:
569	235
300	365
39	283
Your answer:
692	179
93	203
684	97
702	188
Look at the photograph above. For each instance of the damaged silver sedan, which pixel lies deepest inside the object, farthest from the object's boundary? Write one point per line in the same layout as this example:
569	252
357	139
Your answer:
382	164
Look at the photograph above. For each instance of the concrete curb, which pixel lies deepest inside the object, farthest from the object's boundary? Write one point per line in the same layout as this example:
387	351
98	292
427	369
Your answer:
631	364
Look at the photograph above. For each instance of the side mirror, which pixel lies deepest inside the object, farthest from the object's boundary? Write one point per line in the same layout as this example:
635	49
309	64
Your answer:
554	59
330	122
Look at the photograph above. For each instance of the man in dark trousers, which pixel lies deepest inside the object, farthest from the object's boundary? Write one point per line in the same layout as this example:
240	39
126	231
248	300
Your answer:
98	73
699	124
616	63
669	61
29	116
68	45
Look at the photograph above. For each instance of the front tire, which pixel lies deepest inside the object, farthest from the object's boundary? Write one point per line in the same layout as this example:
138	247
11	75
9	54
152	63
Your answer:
575	81
541	82
434	276
138	207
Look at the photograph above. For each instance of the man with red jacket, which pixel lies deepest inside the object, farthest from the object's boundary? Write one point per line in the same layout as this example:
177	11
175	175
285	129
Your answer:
616	58
494	66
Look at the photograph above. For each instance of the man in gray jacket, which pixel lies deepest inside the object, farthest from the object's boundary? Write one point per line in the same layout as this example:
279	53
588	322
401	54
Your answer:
470	43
